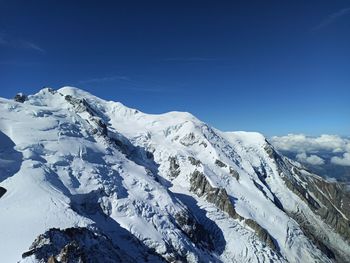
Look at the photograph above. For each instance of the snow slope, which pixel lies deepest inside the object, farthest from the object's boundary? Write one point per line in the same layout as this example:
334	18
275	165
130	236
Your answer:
69	159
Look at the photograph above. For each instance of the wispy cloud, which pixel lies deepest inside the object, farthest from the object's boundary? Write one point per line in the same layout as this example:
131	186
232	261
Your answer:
7	41
333	17
30	45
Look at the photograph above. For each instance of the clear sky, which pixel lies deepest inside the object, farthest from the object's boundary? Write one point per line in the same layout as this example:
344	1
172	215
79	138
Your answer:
276	67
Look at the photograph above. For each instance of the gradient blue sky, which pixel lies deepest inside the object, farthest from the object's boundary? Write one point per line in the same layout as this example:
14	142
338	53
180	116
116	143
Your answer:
276	67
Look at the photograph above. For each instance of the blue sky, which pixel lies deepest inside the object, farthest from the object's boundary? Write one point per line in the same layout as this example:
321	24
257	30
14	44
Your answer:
276	67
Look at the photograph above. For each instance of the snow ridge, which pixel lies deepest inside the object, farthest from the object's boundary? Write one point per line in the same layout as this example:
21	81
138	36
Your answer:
162	187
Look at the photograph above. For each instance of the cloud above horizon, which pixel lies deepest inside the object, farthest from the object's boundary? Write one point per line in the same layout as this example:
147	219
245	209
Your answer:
333	17
344	160
11	42
308	149
312	159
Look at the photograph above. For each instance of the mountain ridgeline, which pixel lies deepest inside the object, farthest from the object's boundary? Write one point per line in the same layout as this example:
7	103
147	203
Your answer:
88	180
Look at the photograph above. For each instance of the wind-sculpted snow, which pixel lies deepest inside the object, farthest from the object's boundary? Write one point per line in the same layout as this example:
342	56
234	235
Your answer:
70	160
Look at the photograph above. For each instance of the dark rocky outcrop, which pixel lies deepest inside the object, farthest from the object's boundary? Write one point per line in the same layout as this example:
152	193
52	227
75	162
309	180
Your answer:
217	196
194	161
313	233
297	188
98	123
234	173
20	97
52	260
205	145
220	163
271	151
261	233
75	245
195	231
336	200
328	200
2	191
103	126
82	105
174	167
284	169
189	139
262	175
51	90
68	98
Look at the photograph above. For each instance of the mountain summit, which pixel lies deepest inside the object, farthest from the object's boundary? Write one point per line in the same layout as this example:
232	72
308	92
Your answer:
88	180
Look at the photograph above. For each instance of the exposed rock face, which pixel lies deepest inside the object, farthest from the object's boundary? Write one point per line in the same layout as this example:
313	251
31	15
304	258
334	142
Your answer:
336	199
74	245
217	196
261	233
52	260
20	97
314	234
81	105
194	161
220	163
195	231
234	173
331	197
2	191
189	139
174	168
330	201
204	144
271	152
101	126
297	188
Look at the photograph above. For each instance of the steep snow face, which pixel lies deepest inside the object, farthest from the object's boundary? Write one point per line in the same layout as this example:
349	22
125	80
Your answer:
72	175
159	187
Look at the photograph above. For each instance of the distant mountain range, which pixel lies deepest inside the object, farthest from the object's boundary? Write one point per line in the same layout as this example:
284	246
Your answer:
326	155
88	180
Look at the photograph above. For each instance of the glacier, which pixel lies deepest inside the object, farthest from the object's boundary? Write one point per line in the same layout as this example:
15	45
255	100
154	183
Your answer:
88	180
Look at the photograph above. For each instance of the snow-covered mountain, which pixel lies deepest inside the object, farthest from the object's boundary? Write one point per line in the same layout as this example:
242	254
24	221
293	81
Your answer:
88	180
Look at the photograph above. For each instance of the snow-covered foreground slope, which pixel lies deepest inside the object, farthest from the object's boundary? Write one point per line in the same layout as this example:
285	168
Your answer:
83	178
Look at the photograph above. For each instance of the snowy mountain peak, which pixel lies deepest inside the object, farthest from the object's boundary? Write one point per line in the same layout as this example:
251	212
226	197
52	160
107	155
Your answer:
165	187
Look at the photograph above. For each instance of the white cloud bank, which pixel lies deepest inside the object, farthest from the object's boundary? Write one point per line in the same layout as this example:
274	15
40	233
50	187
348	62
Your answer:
306	148
312	159
344	161
18	43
